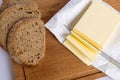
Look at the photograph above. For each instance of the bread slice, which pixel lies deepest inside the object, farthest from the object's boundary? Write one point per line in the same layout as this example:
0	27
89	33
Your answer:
10	16
31	4
26	41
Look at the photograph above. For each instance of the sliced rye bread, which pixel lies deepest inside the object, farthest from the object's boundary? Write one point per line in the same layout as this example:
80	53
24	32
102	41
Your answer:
10	16
9	3
26	41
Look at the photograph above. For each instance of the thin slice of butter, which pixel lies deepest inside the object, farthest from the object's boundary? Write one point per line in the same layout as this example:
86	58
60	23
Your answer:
76	52
82	48
98	24
85	43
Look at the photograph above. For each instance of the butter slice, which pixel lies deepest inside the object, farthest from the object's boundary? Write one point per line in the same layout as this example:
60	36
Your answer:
85	43
76	52
98	24
82	48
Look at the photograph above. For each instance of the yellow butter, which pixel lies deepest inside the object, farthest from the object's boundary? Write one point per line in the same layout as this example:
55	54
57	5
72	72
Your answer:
85	43
98	24
82	48
76	52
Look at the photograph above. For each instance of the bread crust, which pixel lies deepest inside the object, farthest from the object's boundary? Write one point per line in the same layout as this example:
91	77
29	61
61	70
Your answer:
9	3
22	54
11	15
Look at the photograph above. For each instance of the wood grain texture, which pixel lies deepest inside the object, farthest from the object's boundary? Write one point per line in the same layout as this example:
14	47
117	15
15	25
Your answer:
18	72
92	77
114	3
49	7
59	62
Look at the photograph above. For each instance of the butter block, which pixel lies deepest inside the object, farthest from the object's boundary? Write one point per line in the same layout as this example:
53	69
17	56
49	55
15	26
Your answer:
98	24
76	52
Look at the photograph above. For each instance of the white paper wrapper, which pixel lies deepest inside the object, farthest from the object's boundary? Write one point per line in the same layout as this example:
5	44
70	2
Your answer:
104	78
62	23
109	61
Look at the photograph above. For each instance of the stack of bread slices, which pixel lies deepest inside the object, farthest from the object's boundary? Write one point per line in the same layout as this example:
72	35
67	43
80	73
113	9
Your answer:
22	31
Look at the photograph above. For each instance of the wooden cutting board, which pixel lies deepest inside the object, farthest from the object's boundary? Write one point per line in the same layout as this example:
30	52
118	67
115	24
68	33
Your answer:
59	62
